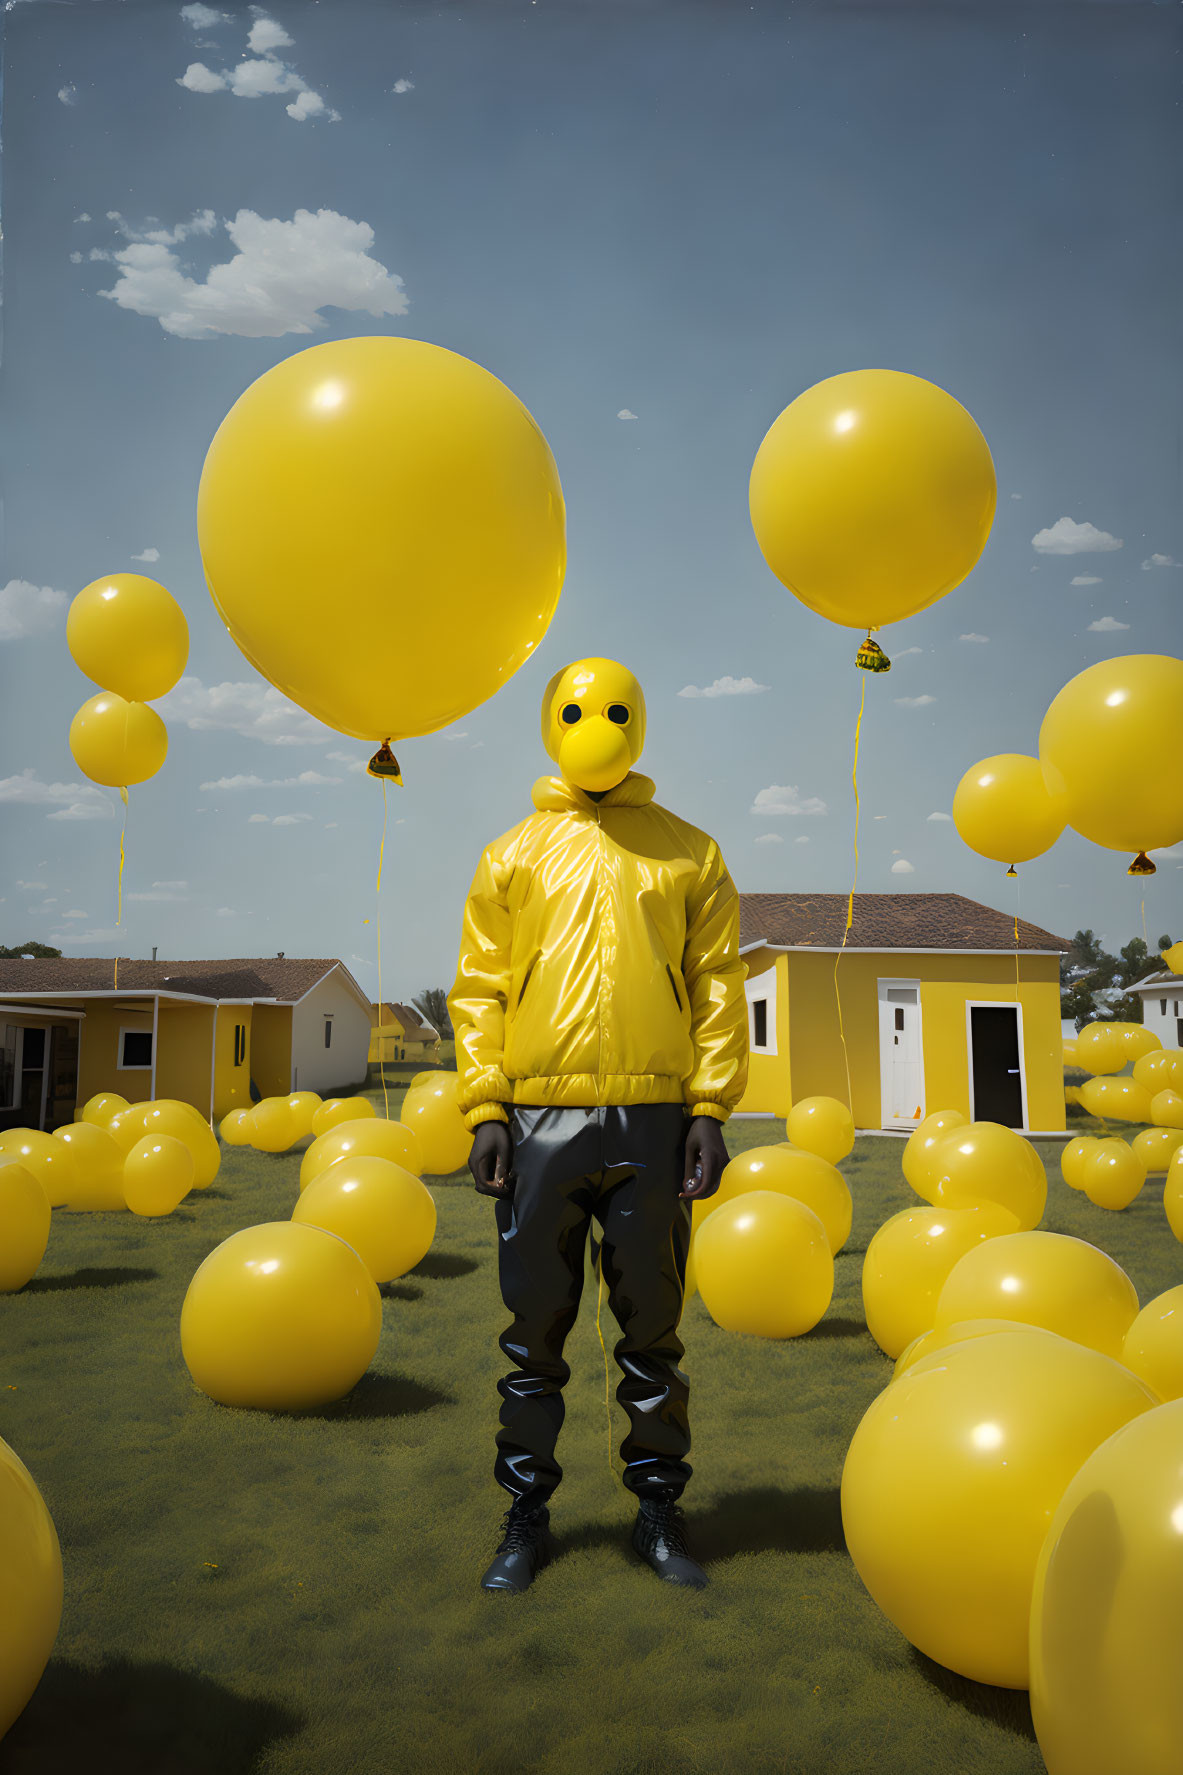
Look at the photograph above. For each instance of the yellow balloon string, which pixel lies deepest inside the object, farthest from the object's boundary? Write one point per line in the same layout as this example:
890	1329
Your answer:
1145	938
850	900
378	922
1016	937
604	1351
119	883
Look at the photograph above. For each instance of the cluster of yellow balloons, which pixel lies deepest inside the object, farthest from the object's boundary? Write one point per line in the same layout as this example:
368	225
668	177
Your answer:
128	634
1111	1171
276	1124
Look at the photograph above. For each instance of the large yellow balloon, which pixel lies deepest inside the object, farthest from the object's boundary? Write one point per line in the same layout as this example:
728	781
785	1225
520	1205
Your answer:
1160	1071
1107	1609
1154	1148
1098	1048
1153	1347
821	1125
1111	1174
157	1175
871	496
336	1110
431	1113
791	1172
383	533
1116	1100
376	1206
919	1147
1166	1108
273	1127
30	1586
1004	808
763	1264
130	635
1135	1042
1072	1159
235	1128
281	1317
50	1161
98	1167
1104	734
373	1135
303	1105
951	1480
908	1260
25	1217
116	742
184	1123
100	1108
1172	1195
1048	1279
985	1162
931	1343
127	1126
1174	958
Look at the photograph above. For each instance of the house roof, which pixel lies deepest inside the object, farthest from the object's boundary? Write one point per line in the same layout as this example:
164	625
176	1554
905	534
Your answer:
413	1027
885	921
1156	982
281	977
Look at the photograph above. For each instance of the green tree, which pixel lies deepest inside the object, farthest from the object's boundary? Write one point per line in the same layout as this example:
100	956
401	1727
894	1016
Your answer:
42	951
1094	983
432	1006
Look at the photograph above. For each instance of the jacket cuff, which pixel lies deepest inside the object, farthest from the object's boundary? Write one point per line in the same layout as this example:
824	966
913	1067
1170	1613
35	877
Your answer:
485	1112
715	1110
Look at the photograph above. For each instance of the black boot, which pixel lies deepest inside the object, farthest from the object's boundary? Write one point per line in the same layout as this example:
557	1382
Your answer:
659	1536
525	1548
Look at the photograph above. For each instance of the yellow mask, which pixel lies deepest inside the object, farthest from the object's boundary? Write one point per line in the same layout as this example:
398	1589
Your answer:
593	723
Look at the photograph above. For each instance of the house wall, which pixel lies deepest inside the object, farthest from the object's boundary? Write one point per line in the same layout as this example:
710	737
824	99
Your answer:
184	1054
98	1050
315	1067
232	1083
770	1075
271	1050
1164	1024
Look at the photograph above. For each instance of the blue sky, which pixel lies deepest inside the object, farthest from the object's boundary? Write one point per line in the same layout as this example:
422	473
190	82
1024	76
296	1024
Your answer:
658	223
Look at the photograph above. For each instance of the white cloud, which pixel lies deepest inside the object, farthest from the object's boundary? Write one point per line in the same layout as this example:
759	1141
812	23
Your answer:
310	104
256	710
769	838
163	891
307	779
981	638
351	761
263	75
151	556
1107	625
290	819
914	702
878	816
82	810
84	217
905	651
1085	579
259	820
626	413
1153	561
266	34
71	801
27	609
902	867
281	276
1067	537
85	914
933	818
68	95
226	912
85	936
1016	496
401	86
202	18
34	887
727	686
780	800
802	838
198	78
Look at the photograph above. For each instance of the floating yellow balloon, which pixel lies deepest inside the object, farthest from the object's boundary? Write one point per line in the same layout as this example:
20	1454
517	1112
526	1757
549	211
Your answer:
25	1217
273	1129
116	742
1153	1347
100	1108
373	1136
184	1123
281	1317
50	1161
1104	734
932	1343
1111	1174
374	474
1107	1609
1154	1148
871	496
908	1261
303	1105
1098	1049
821	1125
919	1147
30	1586
1116	1100
384	1212
235	1128
985	1162
790	1172
763	1265
1048	1279
1166	1109
951	1479
157	1175
130	635
431	1113
1174	958
1073	1157
334	1111
1004	808
98	1168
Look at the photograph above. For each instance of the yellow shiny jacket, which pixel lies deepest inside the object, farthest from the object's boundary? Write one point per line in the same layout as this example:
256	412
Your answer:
599	962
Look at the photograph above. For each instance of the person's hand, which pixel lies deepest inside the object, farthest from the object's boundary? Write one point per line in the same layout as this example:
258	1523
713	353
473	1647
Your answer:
707	1154
491	1158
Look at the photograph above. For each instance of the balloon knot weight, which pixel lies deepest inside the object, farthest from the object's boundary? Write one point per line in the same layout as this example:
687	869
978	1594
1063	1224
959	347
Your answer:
384	765
871	657
1141	865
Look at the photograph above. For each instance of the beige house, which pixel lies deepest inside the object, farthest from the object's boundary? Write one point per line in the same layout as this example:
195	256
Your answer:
398	1033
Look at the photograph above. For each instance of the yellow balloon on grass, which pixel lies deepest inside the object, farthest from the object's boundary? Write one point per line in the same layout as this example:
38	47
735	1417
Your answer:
1104	735
130	635
431	1113
303	1105
281	1317
791	1172
1107	1609
985	1162
934	1342
102	1106
336	1110
98	1168
272	1127
871	496
763	1265
919	1147
952	1477
908	1260
1154	1148
1166	1109
1112	1174
1072	1159
189	1126
1116	1100
127	1126
235	1128
371	475
1004	808
1153	1347
1160	1071
1098	1049
116	742
50	1161
30	1586
157	1175
373	1136
376	1206
821	1125
25	1217
1064	1284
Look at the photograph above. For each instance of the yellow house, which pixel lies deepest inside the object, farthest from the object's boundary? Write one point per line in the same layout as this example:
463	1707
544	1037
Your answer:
397	1032
939	1006
203	1031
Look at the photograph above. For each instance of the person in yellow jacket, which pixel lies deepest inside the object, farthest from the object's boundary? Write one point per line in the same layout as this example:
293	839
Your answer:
601	1043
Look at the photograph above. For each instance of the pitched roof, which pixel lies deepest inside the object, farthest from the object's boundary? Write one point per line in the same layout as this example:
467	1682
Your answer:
885	921
413	1026
281	977
1156	982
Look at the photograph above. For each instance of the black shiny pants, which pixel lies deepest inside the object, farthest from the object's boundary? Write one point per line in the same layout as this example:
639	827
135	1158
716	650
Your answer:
621	1166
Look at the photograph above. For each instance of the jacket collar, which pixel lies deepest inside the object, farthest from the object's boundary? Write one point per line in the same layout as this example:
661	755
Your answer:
556	795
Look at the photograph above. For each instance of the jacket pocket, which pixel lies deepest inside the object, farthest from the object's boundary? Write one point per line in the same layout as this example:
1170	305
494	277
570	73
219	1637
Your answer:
669	974
525	982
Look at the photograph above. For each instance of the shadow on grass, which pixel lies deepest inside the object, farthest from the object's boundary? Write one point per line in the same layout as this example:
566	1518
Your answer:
1009	1708
763	1519
399	1291
444	1266
838	1328
92	1278
148	1719
383	1396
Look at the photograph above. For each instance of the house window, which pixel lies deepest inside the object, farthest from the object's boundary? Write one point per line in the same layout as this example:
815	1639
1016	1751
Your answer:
899	1016
239	1043
759	1023
328	1032
1162	1005
135	1049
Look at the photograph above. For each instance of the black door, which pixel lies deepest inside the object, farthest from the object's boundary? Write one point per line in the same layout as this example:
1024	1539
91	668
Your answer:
994	1043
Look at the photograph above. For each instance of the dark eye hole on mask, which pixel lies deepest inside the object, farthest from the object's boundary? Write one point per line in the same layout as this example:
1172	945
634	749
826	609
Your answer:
619	713
570	714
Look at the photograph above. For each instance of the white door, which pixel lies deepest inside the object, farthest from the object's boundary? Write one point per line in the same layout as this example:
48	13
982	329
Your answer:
900	1055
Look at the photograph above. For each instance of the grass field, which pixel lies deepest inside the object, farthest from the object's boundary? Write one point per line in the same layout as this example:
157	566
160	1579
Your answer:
299	1595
